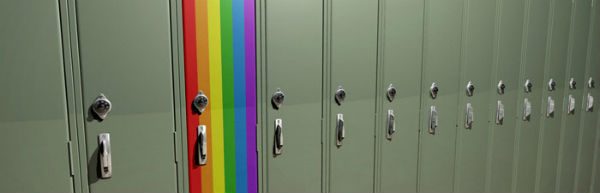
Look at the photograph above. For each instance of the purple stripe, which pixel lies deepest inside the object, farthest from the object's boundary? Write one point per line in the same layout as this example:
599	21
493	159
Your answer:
251	95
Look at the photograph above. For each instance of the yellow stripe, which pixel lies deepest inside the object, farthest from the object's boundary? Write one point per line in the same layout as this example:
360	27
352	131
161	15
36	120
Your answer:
216	92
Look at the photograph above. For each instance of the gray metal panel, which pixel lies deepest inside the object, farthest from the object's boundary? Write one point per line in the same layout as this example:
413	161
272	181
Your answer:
507	56
125	53
402	60
532	69
294	65
33	116
353	66
476	66
575	68
441	61
556	58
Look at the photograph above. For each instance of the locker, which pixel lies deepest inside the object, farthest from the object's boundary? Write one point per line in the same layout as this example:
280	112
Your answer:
293	145
574	86
507	57
439	93
589	115
353	79
402	41
129	120
529	109
35	143
475	87
556	58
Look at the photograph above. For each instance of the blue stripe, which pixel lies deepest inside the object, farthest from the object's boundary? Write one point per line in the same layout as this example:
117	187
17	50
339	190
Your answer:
239	59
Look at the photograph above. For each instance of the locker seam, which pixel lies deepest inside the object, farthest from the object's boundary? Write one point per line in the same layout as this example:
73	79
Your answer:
422	94
460	100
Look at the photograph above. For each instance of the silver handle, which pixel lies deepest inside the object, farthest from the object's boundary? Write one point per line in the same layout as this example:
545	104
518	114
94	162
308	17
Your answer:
571	105
202	147
500	113
391	124
433	120
590	103
526	110
340	130
469	116
550	108
105	155
278	136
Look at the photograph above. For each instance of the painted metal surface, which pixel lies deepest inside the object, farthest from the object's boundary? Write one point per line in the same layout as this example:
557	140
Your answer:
556	58
353	67
441	60
125	53
575	69
402	43
475	68
529	101
291	60
507	59
33	117
219	61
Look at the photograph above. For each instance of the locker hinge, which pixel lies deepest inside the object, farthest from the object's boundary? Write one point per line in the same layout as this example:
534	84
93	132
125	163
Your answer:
70	149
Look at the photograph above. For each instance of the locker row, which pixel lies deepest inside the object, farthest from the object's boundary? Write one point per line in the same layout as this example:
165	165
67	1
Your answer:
299	96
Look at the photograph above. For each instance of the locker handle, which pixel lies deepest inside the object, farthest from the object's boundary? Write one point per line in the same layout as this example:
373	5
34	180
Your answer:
590	103
526	110
105	156
500	113
202	147
340	129
550	108
391	125
433	120
278	136
469	116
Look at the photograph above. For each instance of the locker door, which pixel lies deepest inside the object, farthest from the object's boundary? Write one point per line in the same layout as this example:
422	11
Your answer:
402	57
575	71
589	114
294	67
530	98
442	50
125	54
556	58
475	88
33	116
353	69
507	57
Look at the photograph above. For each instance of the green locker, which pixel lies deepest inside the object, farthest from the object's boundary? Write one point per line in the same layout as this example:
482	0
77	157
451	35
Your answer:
439	93
33	117
292	53
574	85
530	97
474	88
353	80
556	58
402	41
125	55
589	115
507	59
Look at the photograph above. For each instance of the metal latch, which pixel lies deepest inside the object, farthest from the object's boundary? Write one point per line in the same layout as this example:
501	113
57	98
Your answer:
571	105
590	103
340	95
501	87
433	90
550	108
572	84
105	155
551	85
277	99
433	120
278	137
469	116
391	93
500	113
340	129
526	110
470	88
391	124
201	145
200	102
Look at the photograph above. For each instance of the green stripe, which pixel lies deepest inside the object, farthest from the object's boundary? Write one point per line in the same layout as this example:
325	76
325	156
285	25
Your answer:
228	98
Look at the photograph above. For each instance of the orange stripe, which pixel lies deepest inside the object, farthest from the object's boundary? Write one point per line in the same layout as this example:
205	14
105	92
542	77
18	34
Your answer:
204	84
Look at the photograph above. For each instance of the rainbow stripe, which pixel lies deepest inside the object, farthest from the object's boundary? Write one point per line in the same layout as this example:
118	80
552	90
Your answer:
219	48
